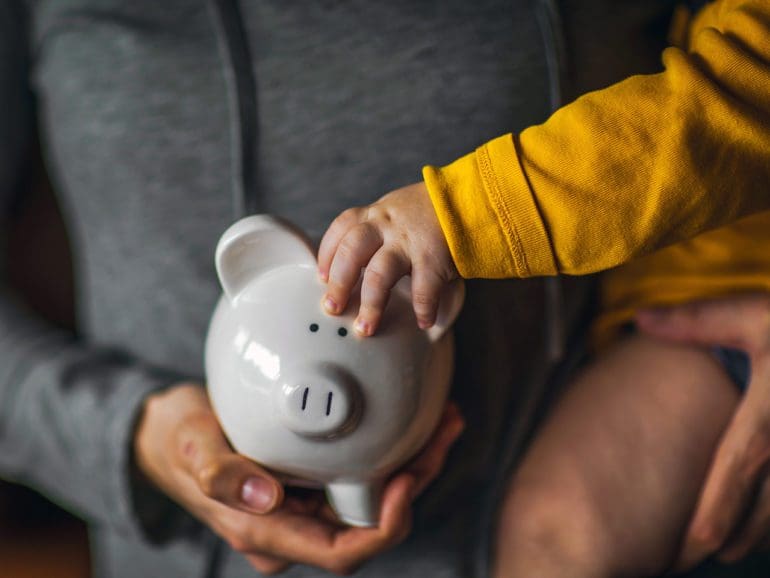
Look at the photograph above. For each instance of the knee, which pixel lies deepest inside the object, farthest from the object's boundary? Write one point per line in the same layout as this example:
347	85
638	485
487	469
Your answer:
546	530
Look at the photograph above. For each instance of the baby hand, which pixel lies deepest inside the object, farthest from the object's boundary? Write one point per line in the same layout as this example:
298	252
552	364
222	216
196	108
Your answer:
396	236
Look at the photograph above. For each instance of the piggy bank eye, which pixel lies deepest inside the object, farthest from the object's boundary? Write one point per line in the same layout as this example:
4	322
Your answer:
314	327
342	332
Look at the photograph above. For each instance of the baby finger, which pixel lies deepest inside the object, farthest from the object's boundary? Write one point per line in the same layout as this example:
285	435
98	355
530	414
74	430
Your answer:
381	274
353	253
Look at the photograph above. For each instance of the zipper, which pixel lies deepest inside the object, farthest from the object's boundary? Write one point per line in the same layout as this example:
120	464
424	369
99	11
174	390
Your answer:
238	67
242	91
551	27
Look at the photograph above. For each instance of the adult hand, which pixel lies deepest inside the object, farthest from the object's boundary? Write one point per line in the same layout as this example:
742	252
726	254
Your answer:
732	516
398	235
180	447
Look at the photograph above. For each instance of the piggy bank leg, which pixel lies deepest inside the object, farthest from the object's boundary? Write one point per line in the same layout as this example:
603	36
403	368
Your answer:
356	503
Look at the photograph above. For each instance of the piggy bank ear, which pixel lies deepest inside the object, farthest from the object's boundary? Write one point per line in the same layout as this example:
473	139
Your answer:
256	245
449	307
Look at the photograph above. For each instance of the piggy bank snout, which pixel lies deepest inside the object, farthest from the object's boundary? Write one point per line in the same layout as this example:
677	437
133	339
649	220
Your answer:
322	401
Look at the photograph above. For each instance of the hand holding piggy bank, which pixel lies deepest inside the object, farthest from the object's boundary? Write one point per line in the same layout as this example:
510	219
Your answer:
299	392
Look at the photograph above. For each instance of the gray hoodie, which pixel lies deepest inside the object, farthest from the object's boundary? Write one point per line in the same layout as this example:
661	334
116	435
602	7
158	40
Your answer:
163	121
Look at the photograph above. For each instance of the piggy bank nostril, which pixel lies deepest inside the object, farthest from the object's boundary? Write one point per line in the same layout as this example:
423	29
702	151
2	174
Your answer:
329	396
324	404
304	398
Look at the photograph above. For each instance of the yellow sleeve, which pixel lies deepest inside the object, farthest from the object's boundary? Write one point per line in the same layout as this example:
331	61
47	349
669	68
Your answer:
625	170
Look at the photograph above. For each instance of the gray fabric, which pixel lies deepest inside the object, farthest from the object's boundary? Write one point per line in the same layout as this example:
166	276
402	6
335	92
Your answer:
353	98
50	434
356	96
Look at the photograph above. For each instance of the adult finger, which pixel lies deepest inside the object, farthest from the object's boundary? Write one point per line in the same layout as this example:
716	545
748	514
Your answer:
353	253
429	463
383	271
222	475
339	227
353	546
339	549
742	322
730	485
754	530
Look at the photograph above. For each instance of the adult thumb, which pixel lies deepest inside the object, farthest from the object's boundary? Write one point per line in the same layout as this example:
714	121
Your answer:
741	322
225	476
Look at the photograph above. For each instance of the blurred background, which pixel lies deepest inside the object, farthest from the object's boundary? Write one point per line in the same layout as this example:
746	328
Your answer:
37	538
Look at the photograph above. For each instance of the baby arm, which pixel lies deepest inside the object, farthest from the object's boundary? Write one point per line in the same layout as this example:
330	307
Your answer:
396	236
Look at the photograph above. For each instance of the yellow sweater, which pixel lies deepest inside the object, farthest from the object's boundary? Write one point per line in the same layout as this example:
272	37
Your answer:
627	170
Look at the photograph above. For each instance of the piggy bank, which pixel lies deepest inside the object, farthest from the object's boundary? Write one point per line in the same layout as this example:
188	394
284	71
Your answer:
299	392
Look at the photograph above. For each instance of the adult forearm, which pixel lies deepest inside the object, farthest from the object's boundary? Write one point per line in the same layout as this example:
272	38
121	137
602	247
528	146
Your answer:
67	414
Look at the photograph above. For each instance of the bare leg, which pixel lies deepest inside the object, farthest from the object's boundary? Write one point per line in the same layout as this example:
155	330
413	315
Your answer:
610	481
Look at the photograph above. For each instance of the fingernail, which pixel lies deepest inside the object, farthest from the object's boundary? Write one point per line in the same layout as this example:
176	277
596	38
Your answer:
258	494
330	305
424	324
323	275
363	327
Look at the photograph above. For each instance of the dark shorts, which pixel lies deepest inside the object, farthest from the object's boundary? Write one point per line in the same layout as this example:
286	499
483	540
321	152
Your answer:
736	363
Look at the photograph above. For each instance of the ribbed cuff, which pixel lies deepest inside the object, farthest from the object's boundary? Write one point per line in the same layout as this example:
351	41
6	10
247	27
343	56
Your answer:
488	214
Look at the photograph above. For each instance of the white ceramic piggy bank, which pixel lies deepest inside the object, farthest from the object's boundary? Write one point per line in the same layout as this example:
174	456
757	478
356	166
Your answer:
299	392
